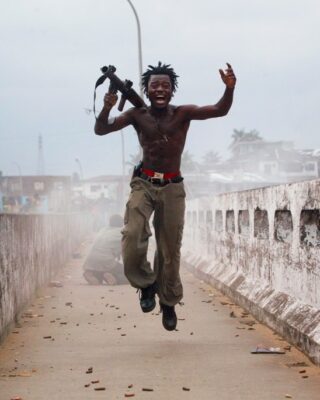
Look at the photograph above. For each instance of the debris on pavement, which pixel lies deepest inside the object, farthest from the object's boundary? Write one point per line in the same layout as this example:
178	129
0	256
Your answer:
244	314
297	364
249	322
24	374
267	350
55	284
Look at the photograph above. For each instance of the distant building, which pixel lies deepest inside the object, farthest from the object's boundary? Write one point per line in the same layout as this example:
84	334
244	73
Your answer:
277	162
101	194
35	193
255	163
107	186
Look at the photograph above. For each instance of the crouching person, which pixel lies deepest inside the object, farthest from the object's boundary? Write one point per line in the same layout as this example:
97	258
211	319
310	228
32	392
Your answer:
102	264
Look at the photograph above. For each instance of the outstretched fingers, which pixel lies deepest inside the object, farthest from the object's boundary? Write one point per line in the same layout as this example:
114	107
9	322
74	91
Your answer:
229	70
228	76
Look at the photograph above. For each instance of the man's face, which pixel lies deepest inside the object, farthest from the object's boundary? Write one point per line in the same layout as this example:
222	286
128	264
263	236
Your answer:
159	90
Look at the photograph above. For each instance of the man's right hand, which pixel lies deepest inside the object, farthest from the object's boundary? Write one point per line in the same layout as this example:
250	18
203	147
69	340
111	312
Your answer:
110	100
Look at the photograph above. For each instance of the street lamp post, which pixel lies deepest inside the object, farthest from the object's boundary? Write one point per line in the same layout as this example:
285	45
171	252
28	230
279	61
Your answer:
123	169
139	46
139	54
20	182
20	177
80	168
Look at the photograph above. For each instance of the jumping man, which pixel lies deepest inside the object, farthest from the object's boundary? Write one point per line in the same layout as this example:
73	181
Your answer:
157	184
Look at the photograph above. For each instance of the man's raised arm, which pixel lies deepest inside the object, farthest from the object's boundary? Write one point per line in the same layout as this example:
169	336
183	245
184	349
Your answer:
104	124
224	104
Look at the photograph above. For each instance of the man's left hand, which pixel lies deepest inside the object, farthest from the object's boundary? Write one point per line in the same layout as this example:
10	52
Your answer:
228	77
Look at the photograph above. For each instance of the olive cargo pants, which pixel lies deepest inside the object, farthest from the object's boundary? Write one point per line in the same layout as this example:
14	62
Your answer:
168	204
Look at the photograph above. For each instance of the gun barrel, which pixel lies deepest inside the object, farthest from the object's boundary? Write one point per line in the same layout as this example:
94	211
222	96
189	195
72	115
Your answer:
125	87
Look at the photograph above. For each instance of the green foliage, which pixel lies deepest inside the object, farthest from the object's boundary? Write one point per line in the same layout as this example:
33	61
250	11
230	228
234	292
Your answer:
240	135
211	159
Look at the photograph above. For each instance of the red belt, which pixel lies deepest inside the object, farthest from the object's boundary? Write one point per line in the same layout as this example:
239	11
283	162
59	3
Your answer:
160	175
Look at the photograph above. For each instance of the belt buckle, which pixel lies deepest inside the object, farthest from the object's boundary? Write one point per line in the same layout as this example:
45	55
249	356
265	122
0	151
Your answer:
157	177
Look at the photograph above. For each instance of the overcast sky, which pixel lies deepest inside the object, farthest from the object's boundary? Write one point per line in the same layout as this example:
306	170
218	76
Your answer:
52	50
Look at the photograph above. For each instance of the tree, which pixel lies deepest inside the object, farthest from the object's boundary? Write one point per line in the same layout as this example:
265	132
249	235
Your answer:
242	135
241	142
187	162
210	160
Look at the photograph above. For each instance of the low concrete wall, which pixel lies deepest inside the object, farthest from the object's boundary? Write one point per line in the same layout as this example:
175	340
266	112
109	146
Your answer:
262	248
32	249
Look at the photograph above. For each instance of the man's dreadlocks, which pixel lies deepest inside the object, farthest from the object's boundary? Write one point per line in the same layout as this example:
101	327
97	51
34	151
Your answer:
160	69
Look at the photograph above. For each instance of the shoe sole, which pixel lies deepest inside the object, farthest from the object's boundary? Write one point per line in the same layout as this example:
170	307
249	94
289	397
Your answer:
169	328
149	309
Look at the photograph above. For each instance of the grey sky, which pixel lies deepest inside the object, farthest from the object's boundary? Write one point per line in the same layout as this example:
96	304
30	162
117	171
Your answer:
51	52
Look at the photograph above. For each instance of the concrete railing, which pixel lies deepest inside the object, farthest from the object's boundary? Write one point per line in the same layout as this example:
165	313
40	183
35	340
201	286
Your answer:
32	249
262	248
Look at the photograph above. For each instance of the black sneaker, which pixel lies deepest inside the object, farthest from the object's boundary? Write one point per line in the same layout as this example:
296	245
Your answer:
147	298
169	317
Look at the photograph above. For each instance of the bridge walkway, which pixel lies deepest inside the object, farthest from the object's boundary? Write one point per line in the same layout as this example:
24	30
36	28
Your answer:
72	336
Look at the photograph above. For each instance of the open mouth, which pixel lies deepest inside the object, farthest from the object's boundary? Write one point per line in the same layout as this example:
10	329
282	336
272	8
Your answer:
160	99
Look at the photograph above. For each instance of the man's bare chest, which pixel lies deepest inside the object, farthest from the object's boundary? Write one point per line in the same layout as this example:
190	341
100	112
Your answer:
168	127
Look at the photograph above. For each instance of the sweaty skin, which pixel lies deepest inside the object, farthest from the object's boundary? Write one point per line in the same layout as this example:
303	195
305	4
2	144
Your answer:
162	128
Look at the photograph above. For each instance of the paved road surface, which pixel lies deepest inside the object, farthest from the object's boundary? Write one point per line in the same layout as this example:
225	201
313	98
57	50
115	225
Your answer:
102	329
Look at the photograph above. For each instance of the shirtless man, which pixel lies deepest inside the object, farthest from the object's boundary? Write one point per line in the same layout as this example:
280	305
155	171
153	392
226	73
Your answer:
157	184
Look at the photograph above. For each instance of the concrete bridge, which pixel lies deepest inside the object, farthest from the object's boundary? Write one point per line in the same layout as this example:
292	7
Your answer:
251	279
